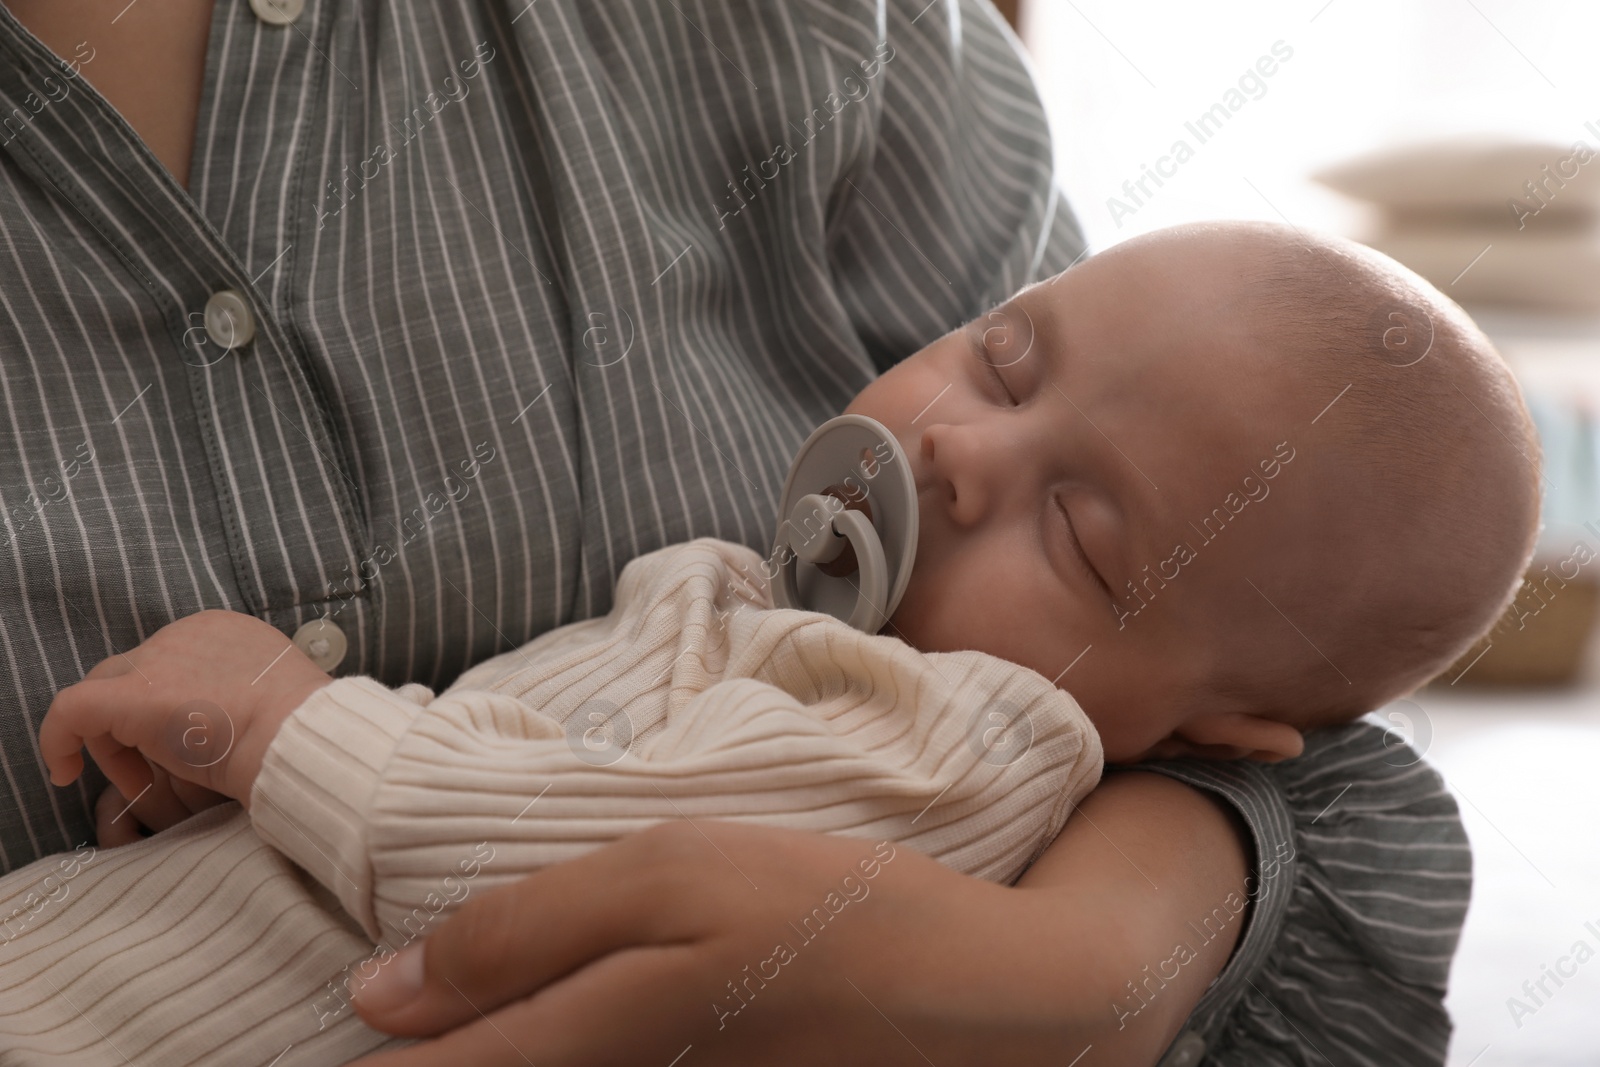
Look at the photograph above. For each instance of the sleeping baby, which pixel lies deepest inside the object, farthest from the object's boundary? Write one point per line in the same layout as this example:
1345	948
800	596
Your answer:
1211	488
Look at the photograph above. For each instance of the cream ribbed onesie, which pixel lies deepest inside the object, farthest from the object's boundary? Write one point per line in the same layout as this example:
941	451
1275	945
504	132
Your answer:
233	937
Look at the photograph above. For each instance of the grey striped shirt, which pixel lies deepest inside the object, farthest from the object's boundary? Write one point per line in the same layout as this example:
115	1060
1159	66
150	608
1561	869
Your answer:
537	287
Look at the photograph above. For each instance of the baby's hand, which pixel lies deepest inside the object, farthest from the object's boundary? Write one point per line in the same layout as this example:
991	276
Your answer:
202	698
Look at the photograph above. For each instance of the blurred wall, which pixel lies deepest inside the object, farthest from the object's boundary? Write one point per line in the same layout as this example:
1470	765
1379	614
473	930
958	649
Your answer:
1121	81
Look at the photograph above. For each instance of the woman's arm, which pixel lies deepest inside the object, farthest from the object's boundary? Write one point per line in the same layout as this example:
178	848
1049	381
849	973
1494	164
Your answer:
667	939
1158	864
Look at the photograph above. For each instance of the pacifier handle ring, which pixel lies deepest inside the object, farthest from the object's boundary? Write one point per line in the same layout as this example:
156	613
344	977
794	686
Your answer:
845	564
872	592
872	567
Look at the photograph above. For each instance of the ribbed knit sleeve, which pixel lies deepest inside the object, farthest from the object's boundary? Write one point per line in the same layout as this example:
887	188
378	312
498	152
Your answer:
694	699
311	799
377	811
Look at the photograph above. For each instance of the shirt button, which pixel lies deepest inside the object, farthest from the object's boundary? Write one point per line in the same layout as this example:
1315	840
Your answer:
322	642
277	12
1187	1051
229	320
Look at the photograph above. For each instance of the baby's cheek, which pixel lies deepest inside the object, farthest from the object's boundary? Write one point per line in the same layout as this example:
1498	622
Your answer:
968	608
930	615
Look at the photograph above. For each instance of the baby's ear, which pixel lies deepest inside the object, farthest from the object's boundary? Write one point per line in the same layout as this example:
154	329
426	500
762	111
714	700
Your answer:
1232	735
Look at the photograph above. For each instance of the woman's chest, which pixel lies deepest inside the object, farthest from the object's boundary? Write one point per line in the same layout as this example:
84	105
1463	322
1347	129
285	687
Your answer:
148	61
501	341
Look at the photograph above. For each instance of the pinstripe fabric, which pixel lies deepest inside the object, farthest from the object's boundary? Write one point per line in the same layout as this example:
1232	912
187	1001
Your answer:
436	437
713	705
1363	873
538	288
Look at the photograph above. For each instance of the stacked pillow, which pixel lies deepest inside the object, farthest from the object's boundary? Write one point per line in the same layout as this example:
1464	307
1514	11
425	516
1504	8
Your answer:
1488	221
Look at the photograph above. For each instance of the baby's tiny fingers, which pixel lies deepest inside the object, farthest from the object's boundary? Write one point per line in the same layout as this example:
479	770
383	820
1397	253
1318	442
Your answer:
64	770
126	768
113	825
80	713
62	734
110	667
60	745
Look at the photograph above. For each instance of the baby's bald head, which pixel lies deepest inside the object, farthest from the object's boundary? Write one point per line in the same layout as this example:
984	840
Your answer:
1222	482
1423	469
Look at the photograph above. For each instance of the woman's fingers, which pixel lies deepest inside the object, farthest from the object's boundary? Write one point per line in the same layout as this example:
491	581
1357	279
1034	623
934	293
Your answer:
515	939
653	944
576	1021
163	805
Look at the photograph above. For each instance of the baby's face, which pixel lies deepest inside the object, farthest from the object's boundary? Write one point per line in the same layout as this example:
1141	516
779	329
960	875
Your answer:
1062	447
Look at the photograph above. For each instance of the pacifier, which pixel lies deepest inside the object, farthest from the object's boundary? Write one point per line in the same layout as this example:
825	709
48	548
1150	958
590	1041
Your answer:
847	524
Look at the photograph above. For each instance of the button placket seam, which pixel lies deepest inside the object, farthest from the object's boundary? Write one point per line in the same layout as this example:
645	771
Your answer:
284	320
180	212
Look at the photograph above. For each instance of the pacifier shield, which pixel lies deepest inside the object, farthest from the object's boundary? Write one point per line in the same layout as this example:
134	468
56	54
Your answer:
853	464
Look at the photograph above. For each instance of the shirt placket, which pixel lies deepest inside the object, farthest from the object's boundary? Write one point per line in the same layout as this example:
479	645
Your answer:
278	468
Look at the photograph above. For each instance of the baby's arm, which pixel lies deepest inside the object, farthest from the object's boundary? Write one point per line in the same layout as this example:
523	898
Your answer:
381	799
776	717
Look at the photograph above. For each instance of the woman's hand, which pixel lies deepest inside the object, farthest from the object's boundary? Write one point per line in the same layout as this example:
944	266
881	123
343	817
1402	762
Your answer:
201	699
755	945
721	936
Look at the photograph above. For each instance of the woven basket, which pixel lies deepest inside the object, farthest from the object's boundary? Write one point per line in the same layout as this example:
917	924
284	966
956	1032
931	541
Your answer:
1548	648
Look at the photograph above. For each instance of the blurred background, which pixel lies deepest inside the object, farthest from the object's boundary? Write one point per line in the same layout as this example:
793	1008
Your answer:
1463	138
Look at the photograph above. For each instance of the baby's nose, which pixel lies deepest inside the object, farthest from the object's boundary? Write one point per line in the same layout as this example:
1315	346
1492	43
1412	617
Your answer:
958	463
